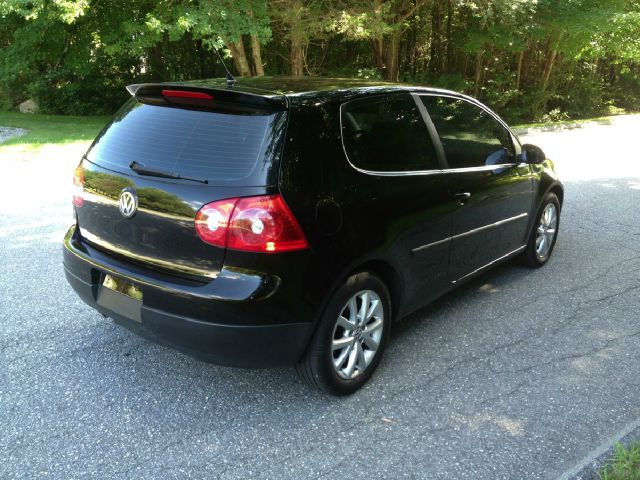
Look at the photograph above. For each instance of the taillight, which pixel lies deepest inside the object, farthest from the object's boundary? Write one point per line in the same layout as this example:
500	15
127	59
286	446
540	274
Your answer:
251	224
212	221
264	224
78	187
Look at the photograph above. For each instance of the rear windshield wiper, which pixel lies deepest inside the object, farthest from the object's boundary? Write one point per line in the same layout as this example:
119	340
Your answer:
140	169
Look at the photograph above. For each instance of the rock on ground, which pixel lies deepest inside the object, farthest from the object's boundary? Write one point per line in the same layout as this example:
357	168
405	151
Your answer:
28	106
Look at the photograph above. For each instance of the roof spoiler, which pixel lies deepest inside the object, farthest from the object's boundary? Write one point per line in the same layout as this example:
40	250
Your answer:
178	94
133	88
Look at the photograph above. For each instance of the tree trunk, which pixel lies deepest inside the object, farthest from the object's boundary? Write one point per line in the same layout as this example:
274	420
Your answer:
257	56
435	61
156	62
613	73
519	69
296	33
450	13
478	74
63	54
202	58
240	58
391	53
378	53
256	51
386	47
549	63
297	56
386	53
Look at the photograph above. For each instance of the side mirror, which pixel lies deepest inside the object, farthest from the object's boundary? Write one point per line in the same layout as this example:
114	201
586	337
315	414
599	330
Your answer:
532	154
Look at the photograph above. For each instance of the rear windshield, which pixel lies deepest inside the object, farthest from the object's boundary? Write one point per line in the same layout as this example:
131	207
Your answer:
220	147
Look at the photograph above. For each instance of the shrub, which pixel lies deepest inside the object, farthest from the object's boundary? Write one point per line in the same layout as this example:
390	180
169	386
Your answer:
82	96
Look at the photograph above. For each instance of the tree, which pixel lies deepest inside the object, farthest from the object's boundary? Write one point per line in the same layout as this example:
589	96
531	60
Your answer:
524	57
216	23
382	22
298	21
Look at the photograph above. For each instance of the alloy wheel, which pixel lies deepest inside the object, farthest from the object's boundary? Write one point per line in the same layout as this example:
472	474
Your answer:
546	231
357	334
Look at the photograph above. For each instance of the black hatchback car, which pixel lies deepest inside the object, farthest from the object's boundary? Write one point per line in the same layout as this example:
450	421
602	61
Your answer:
289	222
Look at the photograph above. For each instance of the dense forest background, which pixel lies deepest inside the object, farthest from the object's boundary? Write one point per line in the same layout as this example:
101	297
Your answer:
528	59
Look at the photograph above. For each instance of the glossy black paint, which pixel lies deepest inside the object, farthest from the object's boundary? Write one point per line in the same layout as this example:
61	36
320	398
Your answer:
533	154
499	195
422	233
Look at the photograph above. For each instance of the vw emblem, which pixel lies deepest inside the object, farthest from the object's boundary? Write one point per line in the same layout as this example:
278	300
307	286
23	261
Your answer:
128	203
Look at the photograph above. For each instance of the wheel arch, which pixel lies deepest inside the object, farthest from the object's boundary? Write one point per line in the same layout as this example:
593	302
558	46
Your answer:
389	276
557	189
546	186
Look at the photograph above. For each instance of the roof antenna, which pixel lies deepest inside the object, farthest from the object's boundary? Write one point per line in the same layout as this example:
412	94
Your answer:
230	79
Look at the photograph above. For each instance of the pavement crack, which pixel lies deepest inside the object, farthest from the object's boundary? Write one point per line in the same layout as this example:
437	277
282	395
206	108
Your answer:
608	343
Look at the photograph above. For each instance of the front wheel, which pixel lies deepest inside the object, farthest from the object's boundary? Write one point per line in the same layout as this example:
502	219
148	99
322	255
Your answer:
544	234
350	337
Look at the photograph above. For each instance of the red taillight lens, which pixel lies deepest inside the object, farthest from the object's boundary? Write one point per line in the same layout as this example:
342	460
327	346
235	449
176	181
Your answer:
186	94
251	224
212	221
78	187
265	224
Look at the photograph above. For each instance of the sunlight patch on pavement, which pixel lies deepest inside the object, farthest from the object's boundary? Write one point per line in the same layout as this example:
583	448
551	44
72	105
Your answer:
25	228
474	422
488	288
595	151
54	237
38	177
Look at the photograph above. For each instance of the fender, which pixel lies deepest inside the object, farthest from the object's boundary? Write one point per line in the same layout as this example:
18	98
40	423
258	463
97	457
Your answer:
545	180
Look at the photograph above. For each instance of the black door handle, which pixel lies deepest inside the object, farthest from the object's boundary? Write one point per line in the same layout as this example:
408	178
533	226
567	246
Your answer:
462	197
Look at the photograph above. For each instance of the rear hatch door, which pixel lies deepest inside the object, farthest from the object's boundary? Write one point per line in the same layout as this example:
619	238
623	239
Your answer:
170	150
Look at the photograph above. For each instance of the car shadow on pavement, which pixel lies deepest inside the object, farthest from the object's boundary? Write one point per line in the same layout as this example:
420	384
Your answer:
443	309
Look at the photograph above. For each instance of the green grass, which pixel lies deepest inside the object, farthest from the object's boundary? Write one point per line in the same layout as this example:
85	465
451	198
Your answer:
624	465
50	129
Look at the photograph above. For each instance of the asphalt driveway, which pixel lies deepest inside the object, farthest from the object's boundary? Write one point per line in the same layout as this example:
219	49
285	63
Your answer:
517	375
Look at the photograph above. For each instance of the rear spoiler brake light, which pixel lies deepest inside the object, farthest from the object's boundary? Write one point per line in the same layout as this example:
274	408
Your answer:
203	97
186	94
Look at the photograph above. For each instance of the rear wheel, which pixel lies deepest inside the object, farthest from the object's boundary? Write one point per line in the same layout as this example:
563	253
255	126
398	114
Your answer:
351	336
544	234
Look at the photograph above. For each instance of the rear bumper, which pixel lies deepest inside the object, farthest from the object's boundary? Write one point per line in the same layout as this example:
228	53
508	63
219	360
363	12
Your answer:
235	320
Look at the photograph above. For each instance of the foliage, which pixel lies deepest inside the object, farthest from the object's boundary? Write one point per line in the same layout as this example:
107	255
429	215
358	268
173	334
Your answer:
625	464
529	59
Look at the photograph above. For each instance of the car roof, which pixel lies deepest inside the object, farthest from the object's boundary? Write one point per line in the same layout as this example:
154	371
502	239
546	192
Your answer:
301	89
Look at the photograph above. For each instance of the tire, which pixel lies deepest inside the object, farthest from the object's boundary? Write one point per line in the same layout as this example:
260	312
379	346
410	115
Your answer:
341	357
538	251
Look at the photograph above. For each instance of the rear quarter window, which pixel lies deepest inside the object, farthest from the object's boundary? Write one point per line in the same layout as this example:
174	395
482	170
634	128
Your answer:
221	147
387	134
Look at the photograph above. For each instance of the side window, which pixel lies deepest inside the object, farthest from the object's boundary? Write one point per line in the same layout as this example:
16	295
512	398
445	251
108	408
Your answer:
470	136
387	134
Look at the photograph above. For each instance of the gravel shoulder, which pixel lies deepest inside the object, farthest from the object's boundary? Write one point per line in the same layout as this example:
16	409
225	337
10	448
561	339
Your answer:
9	132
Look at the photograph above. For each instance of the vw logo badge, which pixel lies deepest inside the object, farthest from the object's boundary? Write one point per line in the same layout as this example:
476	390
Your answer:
128	203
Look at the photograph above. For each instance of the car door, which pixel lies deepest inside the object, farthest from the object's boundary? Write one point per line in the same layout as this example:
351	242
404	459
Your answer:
493	190
399	203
